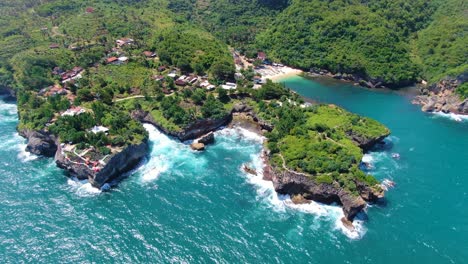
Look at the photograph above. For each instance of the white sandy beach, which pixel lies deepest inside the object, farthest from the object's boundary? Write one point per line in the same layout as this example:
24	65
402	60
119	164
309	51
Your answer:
276	73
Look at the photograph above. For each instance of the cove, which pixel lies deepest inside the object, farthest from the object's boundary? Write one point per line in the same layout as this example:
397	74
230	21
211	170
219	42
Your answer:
200	207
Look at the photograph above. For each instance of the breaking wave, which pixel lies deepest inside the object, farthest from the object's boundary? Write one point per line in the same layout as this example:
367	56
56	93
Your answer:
452	116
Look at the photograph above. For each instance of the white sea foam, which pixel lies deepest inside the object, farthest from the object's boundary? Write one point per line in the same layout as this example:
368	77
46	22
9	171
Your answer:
8	112
167	154
241	132
367	158
283	203
83	188
25	156
452	116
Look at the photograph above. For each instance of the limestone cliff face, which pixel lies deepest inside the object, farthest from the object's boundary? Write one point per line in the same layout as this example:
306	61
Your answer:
441	97
45	144
192	131
293	184
365	143
118	164
40	143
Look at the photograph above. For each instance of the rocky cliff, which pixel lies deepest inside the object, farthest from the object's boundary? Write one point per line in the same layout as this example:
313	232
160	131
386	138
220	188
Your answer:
116	166
192	131
40	143
296	184
441	97
45	144
365	143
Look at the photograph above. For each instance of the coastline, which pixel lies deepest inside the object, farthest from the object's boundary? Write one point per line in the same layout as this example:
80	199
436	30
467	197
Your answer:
276	73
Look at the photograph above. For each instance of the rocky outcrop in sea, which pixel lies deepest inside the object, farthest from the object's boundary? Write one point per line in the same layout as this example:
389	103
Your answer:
441	97
301	185
45	144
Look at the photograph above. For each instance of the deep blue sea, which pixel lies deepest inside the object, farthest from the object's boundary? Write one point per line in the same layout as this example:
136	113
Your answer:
187	207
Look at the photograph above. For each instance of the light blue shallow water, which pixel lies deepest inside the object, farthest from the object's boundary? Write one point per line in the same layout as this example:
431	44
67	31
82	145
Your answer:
200	207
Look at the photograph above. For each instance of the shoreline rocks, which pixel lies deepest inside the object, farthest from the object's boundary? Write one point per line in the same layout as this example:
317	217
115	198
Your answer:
119	164
357	79
441	97
192	131
40	143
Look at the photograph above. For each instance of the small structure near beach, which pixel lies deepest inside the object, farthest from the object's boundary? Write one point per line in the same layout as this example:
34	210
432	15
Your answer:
99	129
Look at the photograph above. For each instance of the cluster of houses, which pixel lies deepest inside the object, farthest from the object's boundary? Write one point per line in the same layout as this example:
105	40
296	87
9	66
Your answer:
124	42
74	111
68	76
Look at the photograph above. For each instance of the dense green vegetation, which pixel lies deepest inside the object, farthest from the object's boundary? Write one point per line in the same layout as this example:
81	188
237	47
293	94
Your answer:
442	46
396	42
316	140
348	36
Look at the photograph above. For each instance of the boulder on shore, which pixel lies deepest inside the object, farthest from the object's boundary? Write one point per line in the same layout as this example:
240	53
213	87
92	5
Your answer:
197	146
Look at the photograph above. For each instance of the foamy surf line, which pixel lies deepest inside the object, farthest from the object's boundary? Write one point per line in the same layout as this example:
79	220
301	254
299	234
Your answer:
241	132
452	116
282	203
83	188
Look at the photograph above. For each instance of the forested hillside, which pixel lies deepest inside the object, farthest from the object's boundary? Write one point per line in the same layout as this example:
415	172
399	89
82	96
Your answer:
397	42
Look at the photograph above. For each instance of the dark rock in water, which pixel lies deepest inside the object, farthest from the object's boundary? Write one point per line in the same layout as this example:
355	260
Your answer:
40	142
249	170
207	139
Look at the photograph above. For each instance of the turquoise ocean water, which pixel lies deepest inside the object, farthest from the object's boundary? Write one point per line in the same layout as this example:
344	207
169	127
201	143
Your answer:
186	207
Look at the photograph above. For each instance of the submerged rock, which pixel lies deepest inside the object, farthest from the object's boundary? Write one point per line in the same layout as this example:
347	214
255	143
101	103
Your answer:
249	170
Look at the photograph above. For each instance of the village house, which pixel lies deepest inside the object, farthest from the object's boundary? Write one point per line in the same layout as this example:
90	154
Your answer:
99	129
89	10
191	79
172	75
124	41
161	68
229	86
112	60
73	74
73	111
54	46
123	59
180	82
149	54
